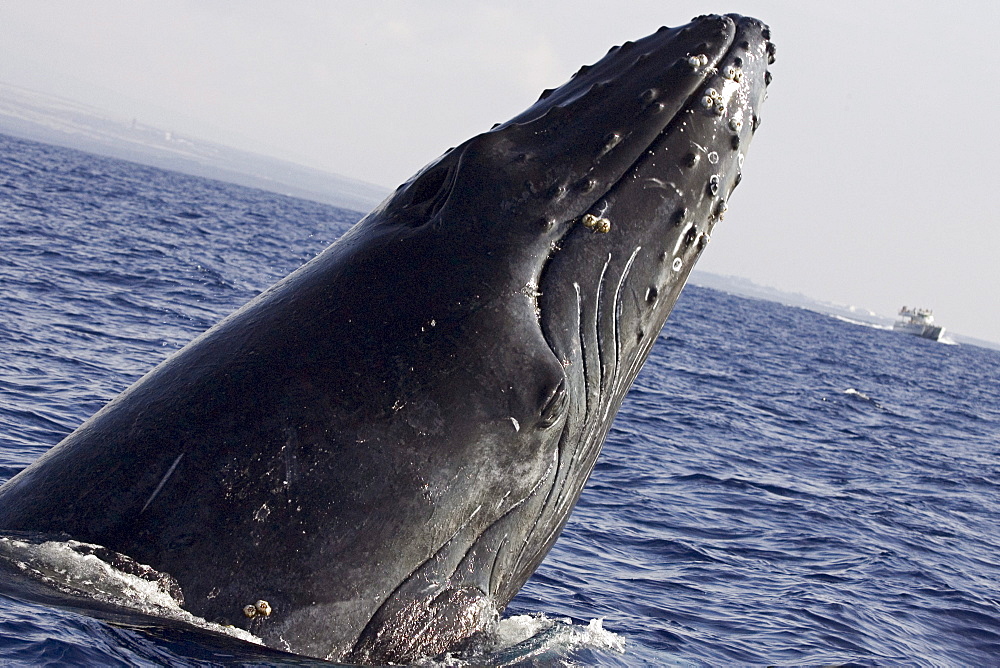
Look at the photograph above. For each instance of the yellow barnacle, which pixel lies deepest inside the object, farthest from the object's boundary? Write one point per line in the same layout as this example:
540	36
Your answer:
596	223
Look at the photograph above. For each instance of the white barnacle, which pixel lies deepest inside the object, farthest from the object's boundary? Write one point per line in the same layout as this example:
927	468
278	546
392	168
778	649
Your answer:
735	124
697	61
250	611
729	72
263	608
530	290
707	102
678	263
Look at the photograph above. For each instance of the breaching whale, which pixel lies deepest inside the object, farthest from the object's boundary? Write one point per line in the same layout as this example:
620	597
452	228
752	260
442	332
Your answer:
385	444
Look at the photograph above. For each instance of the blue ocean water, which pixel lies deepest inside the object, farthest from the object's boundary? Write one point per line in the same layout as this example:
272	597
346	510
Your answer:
780	487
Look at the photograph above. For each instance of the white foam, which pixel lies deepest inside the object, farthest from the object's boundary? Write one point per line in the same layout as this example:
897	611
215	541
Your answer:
519	628
59	565
863	323
534	639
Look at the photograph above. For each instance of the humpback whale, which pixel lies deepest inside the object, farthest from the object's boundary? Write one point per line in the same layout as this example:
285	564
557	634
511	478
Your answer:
369	459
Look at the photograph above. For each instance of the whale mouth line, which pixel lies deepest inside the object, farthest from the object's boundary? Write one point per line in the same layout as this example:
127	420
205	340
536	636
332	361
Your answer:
610	384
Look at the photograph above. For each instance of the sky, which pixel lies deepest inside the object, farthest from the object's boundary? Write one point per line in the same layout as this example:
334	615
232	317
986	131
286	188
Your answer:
869	182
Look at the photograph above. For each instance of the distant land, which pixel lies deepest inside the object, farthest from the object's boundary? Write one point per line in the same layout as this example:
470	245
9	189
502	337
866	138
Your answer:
45	118
54	120
743	287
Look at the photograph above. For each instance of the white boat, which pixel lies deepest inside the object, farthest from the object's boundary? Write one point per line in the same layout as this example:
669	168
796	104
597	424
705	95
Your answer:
919	322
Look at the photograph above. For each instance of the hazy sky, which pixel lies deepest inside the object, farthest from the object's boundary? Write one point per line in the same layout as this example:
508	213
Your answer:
870	181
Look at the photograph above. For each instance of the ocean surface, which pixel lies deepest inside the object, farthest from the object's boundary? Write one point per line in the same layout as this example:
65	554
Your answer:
780	487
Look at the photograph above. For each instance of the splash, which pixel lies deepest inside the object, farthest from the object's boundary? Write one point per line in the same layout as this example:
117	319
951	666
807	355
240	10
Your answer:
87	571
535	640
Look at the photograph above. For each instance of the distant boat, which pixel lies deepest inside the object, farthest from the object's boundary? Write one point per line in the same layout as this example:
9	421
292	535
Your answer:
919	322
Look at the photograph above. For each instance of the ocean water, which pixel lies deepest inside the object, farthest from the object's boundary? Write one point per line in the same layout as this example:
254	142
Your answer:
780	487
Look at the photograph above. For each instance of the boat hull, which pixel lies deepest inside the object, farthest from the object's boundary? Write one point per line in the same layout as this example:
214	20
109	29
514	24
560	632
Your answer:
932	332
